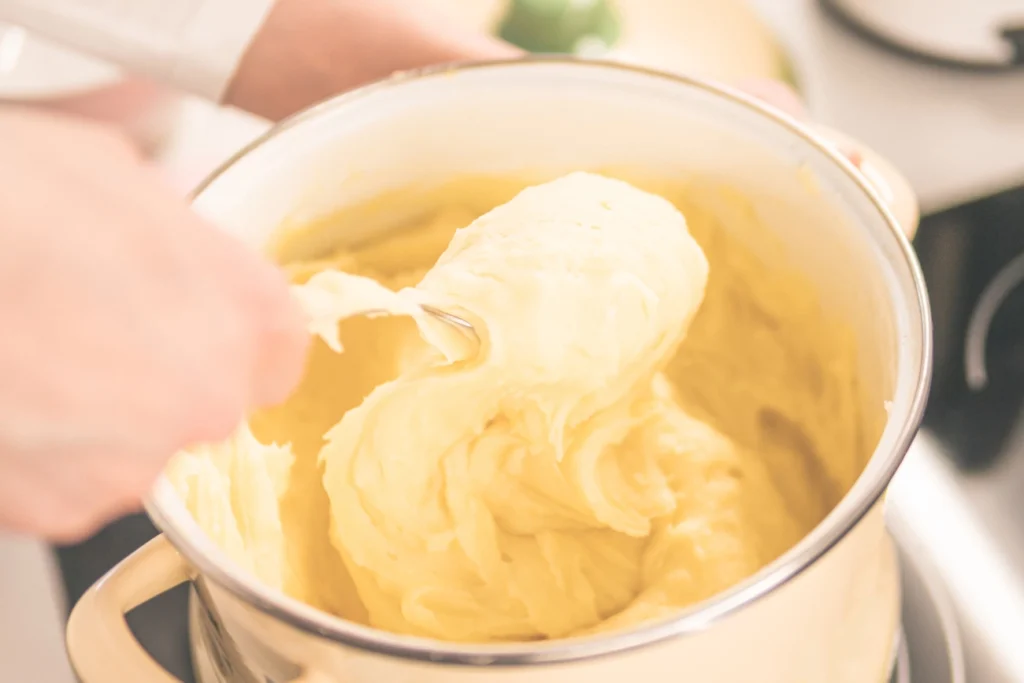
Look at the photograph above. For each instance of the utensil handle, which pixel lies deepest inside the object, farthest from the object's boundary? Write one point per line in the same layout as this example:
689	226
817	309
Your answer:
100	645
891	185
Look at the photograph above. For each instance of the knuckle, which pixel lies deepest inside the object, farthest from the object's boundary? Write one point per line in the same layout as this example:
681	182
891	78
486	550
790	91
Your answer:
67	532
216	414
220	421
112	140
282	339
66	524
68	508
126	480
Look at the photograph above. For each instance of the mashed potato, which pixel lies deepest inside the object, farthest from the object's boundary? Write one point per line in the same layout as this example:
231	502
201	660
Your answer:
654	415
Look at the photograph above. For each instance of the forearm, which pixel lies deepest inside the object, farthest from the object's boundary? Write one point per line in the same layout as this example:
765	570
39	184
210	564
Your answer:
194	45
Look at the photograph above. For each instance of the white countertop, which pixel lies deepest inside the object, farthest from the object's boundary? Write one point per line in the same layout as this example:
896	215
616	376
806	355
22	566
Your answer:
956	135
31	614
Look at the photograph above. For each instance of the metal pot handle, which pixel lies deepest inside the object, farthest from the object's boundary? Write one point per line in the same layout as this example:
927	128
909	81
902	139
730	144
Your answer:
100	645
890	184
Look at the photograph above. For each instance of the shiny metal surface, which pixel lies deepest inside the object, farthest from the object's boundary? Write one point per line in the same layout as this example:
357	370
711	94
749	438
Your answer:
989	304
214	660
451	319
929	650
461	326
931	647
969	527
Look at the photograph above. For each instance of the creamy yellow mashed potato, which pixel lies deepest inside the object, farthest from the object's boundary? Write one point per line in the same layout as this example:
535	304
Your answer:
655	415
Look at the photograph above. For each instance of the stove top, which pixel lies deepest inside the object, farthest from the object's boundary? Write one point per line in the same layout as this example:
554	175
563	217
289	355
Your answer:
931	646
961	490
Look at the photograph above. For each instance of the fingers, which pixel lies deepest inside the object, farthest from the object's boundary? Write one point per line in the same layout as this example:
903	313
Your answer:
783	97
135	327
246	297
46	495
277	337
280	328
777	94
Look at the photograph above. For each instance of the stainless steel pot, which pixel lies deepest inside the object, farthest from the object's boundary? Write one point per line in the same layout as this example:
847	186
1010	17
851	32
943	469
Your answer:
825	612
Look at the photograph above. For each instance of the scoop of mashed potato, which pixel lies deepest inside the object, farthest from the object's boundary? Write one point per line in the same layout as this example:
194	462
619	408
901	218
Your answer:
556	480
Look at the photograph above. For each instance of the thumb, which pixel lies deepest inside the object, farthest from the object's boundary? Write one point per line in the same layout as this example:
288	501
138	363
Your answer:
283	343
777	94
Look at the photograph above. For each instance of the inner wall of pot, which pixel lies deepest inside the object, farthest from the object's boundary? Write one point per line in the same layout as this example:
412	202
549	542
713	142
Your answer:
551	118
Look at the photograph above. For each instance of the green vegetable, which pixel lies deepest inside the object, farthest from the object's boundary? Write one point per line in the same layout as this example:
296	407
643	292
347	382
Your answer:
560	26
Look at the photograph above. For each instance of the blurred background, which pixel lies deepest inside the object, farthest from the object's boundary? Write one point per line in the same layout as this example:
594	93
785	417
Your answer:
935	86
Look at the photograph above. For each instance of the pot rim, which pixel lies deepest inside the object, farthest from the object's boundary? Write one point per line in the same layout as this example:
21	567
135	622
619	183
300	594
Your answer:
211	563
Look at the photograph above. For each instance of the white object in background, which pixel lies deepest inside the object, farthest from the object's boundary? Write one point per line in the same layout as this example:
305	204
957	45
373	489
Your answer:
33	69
194	45
204	137
32	614
957	136
970	32
37	72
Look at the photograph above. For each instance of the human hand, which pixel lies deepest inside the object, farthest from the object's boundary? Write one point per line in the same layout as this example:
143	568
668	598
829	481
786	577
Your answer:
308	50
776	93
131	328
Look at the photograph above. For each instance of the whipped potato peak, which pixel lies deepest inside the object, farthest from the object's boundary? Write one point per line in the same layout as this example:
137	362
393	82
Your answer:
331	296
585	284
470	504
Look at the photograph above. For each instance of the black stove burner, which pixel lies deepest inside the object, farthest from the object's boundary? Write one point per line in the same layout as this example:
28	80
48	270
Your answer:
973	263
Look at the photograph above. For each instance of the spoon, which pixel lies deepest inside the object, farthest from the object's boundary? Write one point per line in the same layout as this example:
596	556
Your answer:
331	296
466	335
468	338
462	326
